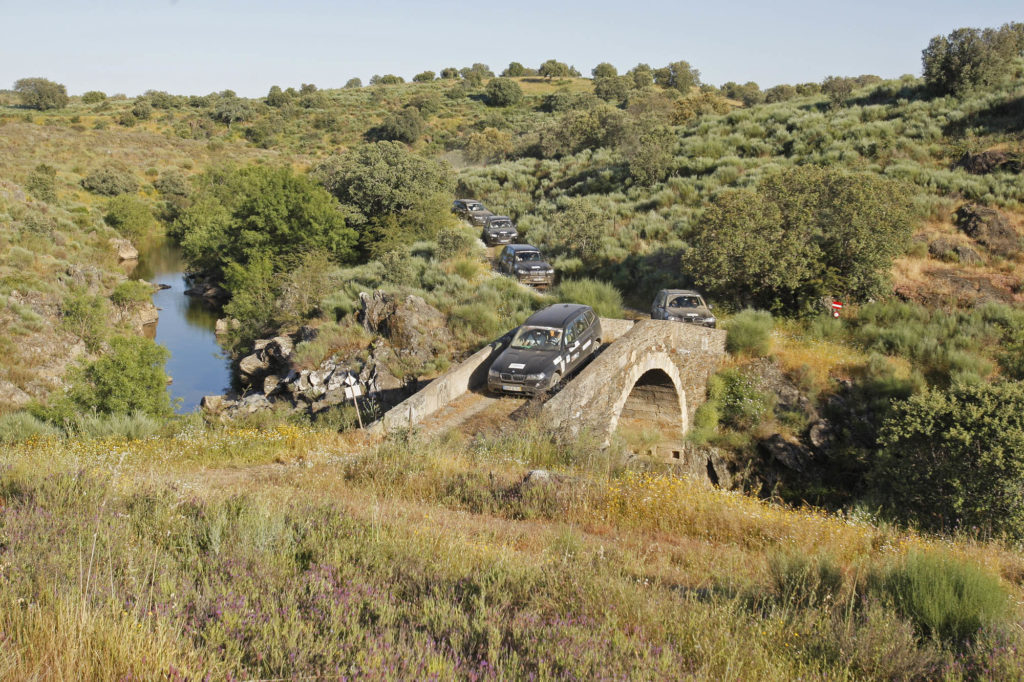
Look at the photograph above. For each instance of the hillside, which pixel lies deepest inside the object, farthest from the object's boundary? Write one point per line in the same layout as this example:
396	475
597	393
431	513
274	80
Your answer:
869	515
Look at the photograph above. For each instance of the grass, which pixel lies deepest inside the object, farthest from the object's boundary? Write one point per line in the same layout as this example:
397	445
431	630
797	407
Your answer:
291	552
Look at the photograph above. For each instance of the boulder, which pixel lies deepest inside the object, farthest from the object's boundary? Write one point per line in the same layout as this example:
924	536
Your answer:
252	366
989	161
215	404
793	456
13	397
253	403
989	227
536	477
124	249
224	325
821	435
271	384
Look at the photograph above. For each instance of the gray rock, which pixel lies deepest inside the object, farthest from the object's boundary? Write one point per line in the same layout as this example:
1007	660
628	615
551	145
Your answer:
215	404
271	384
536	477
252	366
253	403
125	250
791	455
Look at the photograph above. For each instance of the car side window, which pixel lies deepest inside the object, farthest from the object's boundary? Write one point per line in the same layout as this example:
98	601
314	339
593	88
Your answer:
660	301
590	318
570	334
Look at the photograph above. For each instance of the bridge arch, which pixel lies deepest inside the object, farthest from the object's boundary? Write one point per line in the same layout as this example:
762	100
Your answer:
652	391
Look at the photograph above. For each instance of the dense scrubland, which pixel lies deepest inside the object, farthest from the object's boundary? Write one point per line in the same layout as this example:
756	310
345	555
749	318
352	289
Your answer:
137	543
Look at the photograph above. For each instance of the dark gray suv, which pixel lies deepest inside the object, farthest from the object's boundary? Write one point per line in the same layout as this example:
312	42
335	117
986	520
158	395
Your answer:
682	305
549	345
525	263
471	210
499	229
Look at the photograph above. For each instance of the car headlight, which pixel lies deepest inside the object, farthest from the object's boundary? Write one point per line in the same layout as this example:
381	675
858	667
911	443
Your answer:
673	317
493	373
549	271
536	377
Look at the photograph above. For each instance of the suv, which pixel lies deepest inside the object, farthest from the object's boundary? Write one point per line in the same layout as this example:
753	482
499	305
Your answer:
682	305
499	229
525	263
471	210
549	345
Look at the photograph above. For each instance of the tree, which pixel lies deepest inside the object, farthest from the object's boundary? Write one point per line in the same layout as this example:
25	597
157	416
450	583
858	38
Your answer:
352	83
614	89
514	70
130	216
642	74
475	75
838	89
406	125
41	94
779	93
232	110
242	214
678	76
394	194
649	158
276	97
802	234
424	77
553	68
955	459
604	70
93	97
503	92
386	79
969	58
450	74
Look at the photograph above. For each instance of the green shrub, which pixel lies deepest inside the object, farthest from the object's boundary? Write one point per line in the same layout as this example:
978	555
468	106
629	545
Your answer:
43	182
744	404
503	92
110	180
945	598
18	427
750	333
84	315
452	242
477	318
93	97
131	291
129	378
955	459
134	426
130	216
601	296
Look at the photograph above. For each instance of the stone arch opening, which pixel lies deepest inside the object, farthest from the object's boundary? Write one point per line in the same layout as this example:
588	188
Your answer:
653	401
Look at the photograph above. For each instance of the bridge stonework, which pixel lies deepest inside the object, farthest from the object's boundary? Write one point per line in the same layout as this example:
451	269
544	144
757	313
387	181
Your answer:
656	374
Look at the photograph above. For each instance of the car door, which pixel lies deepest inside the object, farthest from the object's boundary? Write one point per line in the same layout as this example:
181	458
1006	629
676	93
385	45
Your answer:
658	307
571	346
588	338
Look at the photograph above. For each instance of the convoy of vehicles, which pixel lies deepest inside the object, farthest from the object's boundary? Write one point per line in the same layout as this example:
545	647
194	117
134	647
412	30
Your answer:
550	344
561	337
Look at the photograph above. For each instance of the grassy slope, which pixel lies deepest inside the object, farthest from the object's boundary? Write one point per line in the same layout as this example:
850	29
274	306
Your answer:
269	554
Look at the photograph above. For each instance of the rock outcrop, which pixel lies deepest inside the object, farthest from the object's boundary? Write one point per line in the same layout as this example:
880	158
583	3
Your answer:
125	250
989	227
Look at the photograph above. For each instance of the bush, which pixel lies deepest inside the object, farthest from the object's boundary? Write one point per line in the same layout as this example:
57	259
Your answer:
743	404
353	83
130	216
601	296
945	598
406	125
93	97
85	316
43	182
802	582
18	427
131	291
750	333
129	378
955	459
503	92
451	242
110	180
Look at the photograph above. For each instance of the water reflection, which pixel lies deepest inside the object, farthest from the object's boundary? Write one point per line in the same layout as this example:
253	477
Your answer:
197	364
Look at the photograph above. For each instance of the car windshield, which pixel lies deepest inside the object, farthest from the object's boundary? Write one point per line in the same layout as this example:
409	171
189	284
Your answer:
538	338
685	302
501	223
528	256
475	207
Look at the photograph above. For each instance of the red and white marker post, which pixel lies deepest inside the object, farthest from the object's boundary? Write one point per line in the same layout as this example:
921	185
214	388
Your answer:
837	307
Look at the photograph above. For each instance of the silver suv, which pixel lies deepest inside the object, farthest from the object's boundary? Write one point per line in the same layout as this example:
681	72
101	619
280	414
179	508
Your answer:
682	305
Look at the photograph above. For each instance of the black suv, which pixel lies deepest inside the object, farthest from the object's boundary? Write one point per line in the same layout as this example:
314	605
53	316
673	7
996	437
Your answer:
471	210
682	305
525	263
549	345
499	229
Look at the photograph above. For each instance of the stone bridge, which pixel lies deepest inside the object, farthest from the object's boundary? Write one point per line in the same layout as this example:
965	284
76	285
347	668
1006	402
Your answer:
653	377
650	375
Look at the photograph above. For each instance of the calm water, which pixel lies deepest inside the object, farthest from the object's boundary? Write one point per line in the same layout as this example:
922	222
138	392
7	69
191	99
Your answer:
198	364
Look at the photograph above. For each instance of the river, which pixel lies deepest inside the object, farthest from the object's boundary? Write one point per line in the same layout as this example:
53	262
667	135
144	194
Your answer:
198	365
